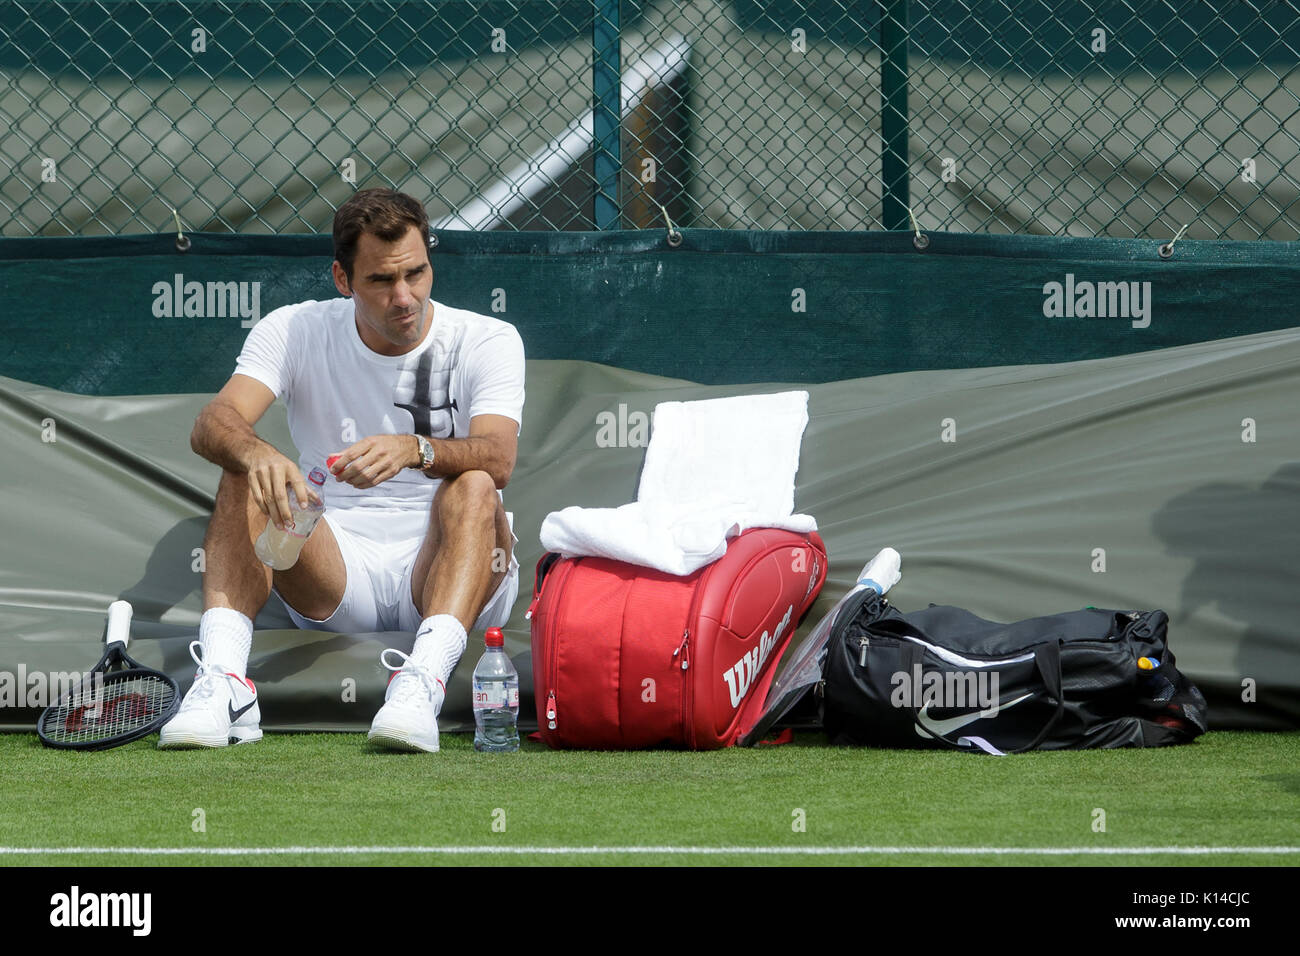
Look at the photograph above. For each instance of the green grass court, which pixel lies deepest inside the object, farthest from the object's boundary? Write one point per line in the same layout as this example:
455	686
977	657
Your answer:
1235	790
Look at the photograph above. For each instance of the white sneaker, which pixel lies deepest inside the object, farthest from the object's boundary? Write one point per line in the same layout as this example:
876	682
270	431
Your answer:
409	718
220	708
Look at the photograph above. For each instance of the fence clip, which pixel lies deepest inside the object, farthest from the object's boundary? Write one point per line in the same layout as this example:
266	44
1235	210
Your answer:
674	237
1167	249
919	239
182	241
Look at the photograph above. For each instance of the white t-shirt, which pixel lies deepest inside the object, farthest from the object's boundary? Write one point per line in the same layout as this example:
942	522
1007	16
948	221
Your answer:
339	391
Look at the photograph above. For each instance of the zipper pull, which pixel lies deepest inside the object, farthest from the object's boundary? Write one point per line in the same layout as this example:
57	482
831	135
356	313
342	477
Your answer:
550	711
682	649
864	645
539	585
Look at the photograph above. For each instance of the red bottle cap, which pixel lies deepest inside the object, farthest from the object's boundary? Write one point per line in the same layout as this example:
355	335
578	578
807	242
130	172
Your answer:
329	462
494	637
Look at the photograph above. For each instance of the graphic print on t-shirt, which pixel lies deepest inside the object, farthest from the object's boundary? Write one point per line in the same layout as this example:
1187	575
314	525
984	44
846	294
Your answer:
430	403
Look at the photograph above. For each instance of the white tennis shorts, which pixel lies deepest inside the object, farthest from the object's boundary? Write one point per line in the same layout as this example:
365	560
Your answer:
379	547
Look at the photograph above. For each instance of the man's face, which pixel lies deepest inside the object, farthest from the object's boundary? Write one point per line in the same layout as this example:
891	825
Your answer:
390	287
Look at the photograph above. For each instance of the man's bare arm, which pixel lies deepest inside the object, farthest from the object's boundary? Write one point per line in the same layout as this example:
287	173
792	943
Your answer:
224	437
491	447
223	434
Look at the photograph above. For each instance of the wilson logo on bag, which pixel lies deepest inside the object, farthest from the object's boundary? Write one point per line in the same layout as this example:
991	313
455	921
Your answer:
742	673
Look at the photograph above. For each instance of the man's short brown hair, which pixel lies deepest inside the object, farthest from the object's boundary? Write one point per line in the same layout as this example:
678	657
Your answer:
383	213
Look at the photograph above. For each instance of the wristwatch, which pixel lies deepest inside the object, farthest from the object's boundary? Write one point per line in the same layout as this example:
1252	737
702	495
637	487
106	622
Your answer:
426	452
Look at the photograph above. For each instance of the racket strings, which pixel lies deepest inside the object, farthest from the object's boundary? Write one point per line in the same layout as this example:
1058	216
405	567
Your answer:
113	708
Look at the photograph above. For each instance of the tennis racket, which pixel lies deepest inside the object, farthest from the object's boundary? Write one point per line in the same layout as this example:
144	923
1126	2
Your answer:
118	701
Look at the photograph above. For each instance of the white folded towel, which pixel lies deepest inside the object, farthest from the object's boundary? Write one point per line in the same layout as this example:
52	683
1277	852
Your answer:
712	469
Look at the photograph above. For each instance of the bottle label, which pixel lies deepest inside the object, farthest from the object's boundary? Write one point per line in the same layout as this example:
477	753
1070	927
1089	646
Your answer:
494	695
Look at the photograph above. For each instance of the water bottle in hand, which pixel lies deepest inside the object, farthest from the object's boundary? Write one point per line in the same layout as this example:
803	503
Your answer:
280	549
496	697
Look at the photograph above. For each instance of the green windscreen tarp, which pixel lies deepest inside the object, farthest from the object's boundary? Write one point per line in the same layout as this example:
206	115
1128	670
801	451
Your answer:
1022	464
722	307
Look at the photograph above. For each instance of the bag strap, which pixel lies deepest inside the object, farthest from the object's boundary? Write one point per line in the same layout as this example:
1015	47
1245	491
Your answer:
1047	658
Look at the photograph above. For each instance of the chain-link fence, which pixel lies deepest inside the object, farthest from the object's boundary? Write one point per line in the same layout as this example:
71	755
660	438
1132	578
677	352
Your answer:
1007	116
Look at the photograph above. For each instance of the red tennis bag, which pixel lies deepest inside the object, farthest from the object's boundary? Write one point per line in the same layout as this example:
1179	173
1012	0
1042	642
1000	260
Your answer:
626	657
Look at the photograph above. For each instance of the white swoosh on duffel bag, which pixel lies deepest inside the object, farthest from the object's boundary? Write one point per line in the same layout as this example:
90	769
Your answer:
952	657
942	728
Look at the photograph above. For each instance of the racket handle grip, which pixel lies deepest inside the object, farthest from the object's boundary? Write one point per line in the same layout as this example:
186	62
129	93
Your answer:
882	572
119	623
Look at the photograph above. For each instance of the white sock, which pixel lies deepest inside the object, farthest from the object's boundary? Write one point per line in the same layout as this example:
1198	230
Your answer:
439	644
226	637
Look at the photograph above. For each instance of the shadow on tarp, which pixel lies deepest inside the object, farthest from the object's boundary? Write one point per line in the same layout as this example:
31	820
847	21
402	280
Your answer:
1222	528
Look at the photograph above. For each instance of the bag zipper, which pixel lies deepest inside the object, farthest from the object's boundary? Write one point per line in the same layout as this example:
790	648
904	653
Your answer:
552	663
684	652
1139	625
541	584
951	657
682	649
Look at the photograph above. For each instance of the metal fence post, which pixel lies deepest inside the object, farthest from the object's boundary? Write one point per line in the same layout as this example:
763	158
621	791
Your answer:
893	113
606	82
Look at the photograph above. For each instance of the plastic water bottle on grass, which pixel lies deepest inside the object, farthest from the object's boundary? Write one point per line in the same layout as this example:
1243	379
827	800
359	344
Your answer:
496	697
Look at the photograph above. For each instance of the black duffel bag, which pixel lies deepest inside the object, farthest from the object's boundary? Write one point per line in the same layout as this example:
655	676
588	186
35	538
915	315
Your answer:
942	677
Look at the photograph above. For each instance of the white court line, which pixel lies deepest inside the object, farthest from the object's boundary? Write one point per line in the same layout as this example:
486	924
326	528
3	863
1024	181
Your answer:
651	850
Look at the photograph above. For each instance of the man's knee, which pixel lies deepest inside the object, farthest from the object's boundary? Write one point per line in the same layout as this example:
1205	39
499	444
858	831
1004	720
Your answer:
234	495
469	495
232	480
233	486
